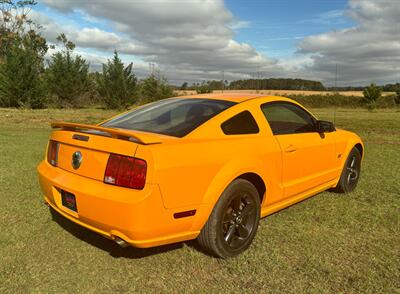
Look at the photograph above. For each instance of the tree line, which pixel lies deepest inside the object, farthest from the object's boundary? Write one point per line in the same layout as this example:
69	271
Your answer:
276	84
385	88
372	94
28	79
255	84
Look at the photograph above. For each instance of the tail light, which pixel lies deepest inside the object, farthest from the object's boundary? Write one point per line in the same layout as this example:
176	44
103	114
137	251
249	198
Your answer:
125	171
52	153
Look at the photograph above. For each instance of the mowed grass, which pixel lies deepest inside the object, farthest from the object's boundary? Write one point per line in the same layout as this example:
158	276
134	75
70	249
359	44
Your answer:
328	243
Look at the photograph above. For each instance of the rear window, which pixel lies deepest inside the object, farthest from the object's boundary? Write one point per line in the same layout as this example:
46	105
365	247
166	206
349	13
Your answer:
242	123
174	117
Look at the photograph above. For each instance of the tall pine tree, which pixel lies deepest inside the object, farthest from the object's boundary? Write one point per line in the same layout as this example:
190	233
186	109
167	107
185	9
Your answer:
68	75
117	84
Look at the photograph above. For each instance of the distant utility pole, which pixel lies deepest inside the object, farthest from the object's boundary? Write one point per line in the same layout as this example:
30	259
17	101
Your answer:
336	92
336	78
151	68
223	81
158	74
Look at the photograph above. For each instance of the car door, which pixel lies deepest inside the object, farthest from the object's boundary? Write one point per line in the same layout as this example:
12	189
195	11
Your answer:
307	156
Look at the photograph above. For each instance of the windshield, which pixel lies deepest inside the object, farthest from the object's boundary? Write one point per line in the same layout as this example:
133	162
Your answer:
174	117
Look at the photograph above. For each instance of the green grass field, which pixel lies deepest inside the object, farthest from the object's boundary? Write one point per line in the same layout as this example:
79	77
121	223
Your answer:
328	243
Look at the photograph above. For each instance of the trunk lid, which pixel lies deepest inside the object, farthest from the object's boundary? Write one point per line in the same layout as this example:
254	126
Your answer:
85	149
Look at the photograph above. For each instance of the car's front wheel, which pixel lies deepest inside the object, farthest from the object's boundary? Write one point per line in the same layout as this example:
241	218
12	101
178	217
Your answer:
233	222
351	173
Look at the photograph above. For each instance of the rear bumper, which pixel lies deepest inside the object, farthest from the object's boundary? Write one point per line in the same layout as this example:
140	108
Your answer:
138	217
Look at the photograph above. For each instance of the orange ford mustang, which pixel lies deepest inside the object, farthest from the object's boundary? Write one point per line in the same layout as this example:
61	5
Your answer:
204	166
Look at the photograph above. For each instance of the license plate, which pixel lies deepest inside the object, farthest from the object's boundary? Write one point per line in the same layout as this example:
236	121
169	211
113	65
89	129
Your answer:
68	200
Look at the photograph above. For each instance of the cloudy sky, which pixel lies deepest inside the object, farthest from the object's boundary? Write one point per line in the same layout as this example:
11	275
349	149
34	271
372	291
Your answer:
195	40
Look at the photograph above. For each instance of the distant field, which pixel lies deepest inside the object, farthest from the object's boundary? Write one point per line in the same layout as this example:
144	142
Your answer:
327	244
282	92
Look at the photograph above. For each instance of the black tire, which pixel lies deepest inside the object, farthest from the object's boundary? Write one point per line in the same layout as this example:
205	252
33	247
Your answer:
233	223
350	173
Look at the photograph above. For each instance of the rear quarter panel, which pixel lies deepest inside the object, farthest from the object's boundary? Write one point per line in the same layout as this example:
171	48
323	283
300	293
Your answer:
196	169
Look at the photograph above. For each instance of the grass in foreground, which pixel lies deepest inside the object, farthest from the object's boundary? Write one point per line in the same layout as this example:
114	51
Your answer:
329	243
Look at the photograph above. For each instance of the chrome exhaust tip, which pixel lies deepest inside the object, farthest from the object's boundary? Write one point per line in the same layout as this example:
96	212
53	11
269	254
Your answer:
121	242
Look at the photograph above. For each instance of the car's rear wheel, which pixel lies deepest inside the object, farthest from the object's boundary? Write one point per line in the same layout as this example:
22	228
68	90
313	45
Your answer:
233	222
351	173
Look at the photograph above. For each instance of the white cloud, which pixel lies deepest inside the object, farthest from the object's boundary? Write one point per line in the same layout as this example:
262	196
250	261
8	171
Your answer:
285	38
194	40
177	35
240	24
330	17
85	37
96	38
368	52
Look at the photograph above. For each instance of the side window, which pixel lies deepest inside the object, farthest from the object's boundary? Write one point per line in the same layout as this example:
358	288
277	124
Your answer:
288	118
242	123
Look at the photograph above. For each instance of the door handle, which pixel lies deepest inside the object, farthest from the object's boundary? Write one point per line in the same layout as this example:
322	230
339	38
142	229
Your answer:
290	148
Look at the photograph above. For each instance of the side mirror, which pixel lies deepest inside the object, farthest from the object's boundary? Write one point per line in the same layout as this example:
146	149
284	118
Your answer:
323	126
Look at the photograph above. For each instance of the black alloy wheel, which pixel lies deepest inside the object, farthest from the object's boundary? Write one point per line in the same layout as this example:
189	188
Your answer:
233	223
239	220
351	173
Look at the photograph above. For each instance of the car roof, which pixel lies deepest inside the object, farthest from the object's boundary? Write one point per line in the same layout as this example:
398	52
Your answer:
229	96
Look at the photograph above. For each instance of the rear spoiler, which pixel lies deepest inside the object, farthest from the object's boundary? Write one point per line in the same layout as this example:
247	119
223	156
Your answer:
134	136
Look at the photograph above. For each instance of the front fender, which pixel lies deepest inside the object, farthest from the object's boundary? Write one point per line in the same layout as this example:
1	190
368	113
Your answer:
346	142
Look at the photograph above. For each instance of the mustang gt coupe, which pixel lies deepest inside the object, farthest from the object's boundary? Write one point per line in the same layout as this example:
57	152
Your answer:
202	166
